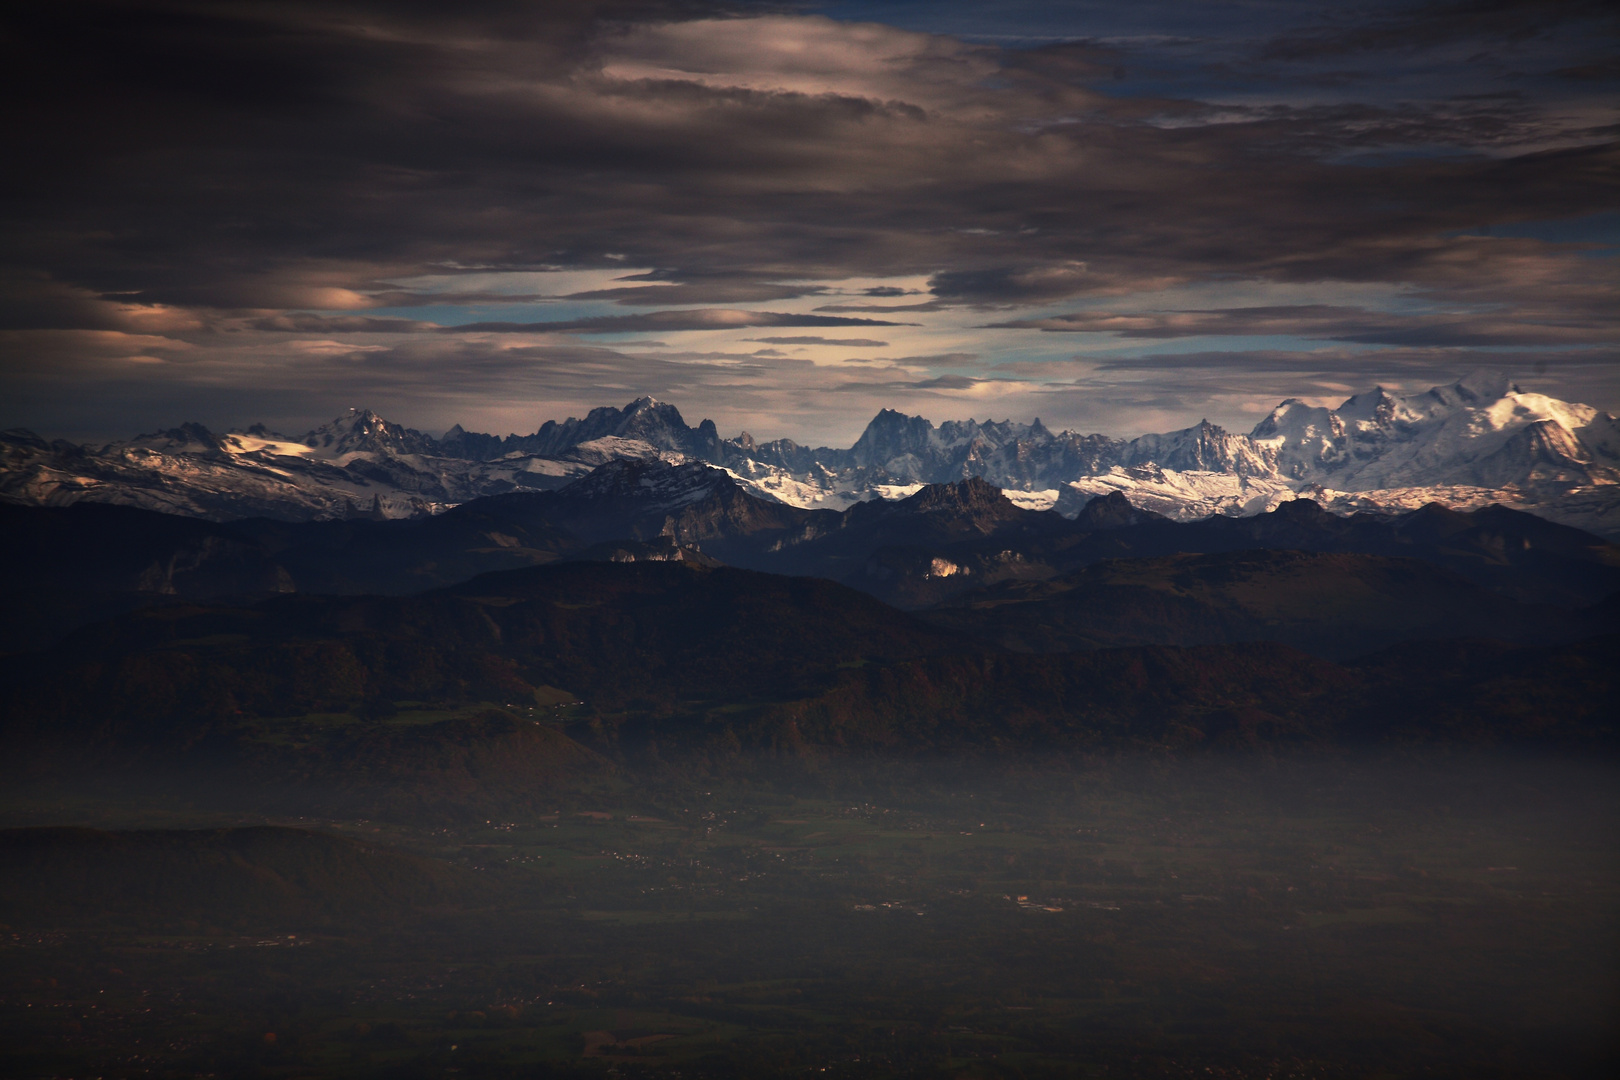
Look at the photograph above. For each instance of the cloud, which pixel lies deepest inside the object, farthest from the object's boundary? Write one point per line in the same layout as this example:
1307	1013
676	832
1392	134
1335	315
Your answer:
1325	321
664	322
1022	285
812	56
928	305
1232	386
848	343
939	382
230	179
700	292
1427	25
304	322
729	149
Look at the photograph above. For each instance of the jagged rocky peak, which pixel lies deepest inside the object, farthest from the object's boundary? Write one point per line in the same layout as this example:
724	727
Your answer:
24	437
473	445
649	479
973	495
1478	387
1204	447
188	438
661	424
647	416
1113	511
892	434
1458	442
645	420
1305	511
363	431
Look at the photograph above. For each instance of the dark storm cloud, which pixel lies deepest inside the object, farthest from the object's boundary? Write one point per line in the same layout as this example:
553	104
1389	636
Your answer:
665	321
1024	285
212	171
32	301
256	156
701	292
1430	24
1326	321
304	322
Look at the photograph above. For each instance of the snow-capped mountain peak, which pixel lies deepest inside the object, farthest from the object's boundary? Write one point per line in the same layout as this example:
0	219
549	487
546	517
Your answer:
1376	406
1205	447
1479	387
1478	431
361	431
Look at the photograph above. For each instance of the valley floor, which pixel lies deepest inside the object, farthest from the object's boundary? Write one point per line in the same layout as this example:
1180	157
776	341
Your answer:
1242	916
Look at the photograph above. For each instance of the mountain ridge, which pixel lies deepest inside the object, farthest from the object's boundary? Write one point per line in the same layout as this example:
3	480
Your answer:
716	660
1465	444
61	567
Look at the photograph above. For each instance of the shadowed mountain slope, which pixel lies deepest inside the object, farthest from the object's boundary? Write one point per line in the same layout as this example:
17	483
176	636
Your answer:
1516	554
64	567
94	547
1212	697
492	689
1332	605
648	635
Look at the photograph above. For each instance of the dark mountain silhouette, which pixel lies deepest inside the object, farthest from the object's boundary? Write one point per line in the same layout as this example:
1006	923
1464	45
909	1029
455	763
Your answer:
1260	694
1508	551
64	567
671	658
656	423
1333	605
95	547
654	636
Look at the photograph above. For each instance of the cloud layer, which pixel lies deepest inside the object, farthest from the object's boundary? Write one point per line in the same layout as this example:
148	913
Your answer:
220	210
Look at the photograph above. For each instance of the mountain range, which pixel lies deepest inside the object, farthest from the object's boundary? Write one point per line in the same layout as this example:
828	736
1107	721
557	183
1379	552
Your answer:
645	594
1465	445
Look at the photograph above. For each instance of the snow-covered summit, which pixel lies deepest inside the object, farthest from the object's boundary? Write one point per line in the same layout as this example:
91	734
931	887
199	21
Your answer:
361	431
1479	431
1205	447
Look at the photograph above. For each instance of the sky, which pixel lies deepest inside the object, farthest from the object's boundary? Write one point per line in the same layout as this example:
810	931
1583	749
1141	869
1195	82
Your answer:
784	217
